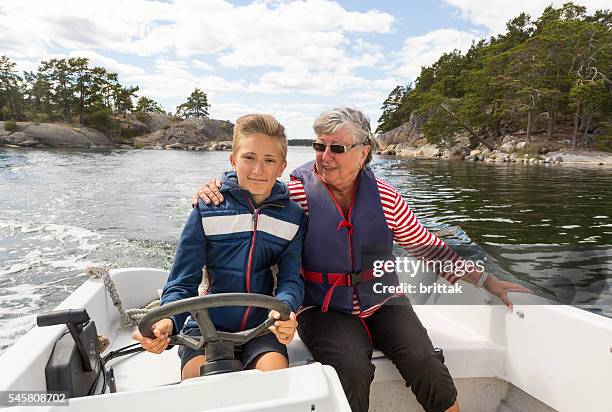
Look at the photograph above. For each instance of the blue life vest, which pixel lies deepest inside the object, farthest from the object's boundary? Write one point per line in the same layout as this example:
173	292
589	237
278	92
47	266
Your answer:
338	252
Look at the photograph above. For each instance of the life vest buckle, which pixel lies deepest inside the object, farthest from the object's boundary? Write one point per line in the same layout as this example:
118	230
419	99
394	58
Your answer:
354	279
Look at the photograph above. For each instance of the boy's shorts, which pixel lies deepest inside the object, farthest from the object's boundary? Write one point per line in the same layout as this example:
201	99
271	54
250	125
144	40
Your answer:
246	353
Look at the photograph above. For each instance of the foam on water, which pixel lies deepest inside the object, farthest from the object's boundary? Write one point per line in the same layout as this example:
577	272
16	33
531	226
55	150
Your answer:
13	329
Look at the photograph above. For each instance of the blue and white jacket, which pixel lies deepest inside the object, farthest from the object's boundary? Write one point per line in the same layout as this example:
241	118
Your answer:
238	242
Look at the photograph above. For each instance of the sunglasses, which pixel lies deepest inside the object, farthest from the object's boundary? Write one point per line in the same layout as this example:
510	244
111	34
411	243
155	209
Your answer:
334	148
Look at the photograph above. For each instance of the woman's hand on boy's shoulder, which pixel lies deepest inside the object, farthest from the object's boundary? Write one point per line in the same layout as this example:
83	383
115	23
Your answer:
162	331
283	329
209	192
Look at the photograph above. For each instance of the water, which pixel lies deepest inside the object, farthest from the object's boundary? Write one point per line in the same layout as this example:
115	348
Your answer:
61	210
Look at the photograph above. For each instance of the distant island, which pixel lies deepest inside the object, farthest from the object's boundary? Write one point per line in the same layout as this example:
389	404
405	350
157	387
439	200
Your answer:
300	142
67	103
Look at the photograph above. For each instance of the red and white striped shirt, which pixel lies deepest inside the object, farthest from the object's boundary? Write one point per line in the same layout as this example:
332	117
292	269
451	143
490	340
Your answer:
407	231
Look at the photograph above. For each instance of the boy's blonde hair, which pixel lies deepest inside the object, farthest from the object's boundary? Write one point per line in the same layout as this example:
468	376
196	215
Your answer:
251	124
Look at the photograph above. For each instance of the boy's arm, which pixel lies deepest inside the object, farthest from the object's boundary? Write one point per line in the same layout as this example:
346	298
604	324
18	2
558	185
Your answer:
186	273
290	287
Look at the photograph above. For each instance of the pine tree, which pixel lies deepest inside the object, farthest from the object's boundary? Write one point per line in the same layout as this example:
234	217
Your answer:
10	94
195	106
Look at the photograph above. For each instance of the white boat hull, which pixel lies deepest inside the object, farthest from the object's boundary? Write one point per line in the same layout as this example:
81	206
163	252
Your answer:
536	357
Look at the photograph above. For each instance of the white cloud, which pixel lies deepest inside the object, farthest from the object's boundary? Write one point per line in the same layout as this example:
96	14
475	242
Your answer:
263	33
307	45
495	13
296	117
172	80
201	65
312	82
34	28
424	50
112	65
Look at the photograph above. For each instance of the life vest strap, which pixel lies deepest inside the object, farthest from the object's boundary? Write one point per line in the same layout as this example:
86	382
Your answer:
340	279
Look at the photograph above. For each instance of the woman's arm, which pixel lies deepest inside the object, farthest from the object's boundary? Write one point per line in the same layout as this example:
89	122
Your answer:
409	233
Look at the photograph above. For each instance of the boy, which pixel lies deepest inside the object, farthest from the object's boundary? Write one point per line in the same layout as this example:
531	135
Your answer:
238	241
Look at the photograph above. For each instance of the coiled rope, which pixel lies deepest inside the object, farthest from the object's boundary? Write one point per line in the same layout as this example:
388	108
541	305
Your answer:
129	317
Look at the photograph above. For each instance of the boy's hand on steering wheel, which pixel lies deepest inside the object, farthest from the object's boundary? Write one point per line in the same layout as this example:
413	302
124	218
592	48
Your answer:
162	331
284	330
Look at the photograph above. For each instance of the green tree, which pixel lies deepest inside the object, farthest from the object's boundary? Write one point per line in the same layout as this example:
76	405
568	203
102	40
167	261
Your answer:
146	105
82	78
38	96
392	115
10	93
61	78
196	105
123	99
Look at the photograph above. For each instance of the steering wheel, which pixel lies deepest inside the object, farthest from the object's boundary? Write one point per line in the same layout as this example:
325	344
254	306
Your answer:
198	308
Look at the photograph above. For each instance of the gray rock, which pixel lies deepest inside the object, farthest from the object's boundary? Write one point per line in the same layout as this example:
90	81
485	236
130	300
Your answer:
558	159
30	143
168	130
213	129
521	145
508	139
157	121
408	132
131	123
174	146
401	147
56	135
455	154
425	151
16	138
507	147
475	152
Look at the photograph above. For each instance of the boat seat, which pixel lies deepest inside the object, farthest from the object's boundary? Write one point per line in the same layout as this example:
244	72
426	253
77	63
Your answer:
466	355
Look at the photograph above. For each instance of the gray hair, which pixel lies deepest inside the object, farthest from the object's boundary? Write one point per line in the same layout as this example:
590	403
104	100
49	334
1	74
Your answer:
331	121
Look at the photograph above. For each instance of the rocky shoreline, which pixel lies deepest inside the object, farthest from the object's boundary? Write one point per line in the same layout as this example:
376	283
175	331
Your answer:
153	131
567	156
407	141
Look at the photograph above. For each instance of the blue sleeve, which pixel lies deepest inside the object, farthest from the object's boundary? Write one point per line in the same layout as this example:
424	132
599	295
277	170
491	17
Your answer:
290	286
186	273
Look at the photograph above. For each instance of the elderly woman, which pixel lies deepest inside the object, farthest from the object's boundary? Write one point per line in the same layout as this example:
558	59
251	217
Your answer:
344	316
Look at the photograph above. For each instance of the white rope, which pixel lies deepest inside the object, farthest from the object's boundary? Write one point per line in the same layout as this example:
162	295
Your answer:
129	317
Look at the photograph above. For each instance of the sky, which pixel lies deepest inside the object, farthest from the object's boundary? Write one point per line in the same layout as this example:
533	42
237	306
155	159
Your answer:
292	59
